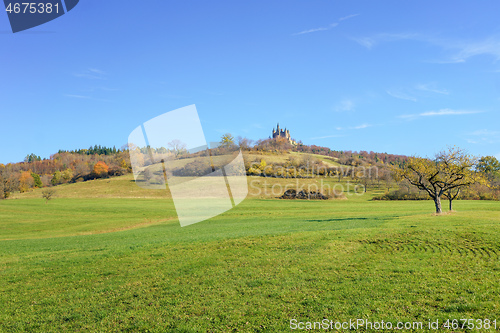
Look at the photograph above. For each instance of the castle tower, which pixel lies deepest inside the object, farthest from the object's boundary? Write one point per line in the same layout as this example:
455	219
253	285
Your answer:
283	133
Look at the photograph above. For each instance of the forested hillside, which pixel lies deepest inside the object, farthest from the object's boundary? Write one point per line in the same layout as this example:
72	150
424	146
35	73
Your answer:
267	158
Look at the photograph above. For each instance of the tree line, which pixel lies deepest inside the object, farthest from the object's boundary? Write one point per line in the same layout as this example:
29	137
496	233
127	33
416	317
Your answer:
63	167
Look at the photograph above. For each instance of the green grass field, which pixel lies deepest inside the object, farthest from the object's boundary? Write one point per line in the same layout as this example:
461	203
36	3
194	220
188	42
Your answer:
107	256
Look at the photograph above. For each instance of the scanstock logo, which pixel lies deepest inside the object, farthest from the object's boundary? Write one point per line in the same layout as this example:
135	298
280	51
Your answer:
170	153
26	15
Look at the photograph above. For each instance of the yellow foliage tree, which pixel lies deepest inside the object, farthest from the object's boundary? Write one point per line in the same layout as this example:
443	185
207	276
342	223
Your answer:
445	175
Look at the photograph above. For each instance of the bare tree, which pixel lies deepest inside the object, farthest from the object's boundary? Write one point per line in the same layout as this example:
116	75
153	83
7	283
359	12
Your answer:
48	194
244	143
178	147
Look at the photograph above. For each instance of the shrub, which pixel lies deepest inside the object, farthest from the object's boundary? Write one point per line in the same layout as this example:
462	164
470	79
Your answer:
401	195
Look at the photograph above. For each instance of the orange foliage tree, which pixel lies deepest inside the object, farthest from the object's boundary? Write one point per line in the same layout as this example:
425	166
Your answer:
101	169
26	181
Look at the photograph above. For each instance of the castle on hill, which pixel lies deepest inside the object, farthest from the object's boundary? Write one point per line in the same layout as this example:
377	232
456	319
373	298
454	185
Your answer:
280	133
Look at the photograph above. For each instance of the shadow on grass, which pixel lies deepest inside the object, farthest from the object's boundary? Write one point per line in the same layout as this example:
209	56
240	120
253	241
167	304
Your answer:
344	219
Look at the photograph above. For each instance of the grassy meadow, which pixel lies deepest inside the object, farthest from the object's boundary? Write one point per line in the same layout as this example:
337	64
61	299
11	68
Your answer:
108	256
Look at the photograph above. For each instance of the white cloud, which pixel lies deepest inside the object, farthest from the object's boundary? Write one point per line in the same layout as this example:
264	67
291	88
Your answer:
485	132
442	112
347	17
361	126
459	50
369	42
401	95
92	73
447	112
310	30
85	97
97	71
431	87
330	26
365	41
484	136
345	105
78	96
466	49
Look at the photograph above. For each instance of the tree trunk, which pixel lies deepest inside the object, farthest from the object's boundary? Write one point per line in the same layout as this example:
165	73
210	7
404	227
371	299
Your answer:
437	202
451	200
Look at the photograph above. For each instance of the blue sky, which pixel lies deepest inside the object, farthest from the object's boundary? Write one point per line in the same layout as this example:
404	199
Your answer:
386	76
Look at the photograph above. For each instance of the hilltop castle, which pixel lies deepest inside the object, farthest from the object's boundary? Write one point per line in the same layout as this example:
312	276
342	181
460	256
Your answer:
283	134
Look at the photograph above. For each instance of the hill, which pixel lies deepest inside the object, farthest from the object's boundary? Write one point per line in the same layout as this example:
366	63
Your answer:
90	261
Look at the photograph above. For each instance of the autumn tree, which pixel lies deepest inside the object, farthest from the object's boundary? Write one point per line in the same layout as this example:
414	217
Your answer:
227	140
449	171
67	175
490	167
2	187
81	170
26	181
100	169
10	182
56	178
488	164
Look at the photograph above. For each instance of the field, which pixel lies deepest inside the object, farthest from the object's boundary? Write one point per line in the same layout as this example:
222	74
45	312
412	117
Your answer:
107	256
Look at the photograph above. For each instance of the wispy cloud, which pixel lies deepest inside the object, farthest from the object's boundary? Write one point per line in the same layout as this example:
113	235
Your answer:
353	127
328	27
401	95
92	73
459	50
85	97
358	127
484	136
468	49
96	71
447	112
442	112
311	30
431	87
78	96
347	17
344	105
371	41
100	88
361	126
365	41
